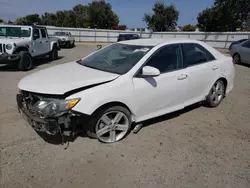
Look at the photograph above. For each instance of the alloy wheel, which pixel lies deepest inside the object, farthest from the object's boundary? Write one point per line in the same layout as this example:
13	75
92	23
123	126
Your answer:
237	58
217	92
112	126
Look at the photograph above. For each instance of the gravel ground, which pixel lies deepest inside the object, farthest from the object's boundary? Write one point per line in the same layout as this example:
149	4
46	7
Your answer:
196	148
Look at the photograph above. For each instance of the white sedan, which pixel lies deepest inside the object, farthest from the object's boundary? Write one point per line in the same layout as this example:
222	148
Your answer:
126	82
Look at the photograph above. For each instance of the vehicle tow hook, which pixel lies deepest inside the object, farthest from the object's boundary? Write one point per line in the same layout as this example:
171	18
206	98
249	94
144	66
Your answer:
137	128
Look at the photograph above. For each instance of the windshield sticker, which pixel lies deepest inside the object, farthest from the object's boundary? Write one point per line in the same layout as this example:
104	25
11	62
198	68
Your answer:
141	50
25	28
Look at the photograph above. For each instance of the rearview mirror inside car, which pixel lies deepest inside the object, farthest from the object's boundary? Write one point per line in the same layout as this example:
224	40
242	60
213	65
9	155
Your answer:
98	47
149	71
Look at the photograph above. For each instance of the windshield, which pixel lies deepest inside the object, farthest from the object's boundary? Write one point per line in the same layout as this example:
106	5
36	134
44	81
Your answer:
60	33
15	31
116	58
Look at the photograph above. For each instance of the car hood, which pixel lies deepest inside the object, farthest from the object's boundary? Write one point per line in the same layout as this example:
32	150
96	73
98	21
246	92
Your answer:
63	78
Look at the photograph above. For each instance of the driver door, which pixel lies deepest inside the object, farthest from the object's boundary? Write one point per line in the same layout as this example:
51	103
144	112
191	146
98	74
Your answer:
165	93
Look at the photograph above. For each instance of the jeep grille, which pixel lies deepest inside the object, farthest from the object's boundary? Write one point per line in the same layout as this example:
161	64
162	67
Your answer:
2	48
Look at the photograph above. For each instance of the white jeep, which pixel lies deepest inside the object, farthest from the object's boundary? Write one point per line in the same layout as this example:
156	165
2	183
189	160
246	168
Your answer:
65	39
20	44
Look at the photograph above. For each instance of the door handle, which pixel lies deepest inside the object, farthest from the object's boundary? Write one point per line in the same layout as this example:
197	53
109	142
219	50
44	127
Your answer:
47	41
182	77
215	67
41	42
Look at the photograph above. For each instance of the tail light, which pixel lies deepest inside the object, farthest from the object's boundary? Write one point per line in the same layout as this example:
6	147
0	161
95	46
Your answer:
234	62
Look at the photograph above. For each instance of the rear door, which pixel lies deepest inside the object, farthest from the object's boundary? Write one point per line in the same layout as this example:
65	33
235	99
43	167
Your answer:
245	52
37	47
202	69
45	41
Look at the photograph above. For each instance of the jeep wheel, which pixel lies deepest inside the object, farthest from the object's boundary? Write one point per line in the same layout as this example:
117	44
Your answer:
68	45
73	44
53	54
26	61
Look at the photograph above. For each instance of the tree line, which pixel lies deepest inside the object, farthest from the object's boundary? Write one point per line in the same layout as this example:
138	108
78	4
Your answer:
224	15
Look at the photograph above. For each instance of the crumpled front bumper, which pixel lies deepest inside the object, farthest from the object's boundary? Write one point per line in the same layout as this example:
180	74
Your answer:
6	58
49	126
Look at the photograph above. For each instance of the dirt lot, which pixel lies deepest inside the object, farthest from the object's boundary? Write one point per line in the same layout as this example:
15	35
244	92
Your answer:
196	148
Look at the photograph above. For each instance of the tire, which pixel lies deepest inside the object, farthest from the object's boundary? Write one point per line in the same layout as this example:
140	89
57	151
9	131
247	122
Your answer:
237	58
26	61
216	94
73	44
68	45
102	121
53	54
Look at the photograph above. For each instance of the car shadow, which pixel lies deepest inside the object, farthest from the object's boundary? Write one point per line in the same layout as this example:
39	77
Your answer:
37	62
59	140
244	64
170	115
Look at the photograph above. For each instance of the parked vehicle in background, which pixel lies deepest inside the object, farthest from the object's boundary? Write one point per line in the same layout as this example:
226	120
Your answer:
123	37
20	44
241	52
236	42
65	39
129	81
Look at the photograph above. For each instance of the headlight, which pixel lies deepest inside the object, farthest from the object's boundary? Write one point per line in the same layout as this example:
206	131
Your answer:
55	107
8	46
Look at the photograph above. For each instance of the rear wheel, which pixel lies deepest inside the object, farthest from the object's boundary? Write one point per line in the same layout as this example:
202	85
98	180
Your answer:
53	54
216	94
26	61
110	125
237	58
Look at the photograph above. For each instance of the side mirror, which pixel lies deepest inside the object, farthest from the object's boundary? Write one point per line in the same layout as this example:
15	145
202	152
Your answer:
149	71
98	47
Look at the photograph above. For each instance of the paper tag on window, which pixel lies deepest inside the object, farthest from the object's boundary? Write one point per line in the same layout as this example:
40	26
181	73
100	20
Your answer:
141	50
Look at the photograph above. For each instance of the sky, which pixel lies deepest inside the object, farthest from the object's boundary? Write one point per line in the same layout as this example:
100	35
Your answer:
130	12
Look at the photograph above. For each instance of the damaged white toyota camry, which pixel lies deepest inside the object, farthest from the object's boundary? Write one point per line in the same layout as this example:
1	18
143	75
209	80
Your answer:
126	82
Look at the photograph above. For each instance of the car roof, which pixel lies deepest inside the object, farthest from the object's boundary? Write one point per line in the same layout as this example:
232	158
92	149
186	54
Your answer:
13	25
155	42
28	26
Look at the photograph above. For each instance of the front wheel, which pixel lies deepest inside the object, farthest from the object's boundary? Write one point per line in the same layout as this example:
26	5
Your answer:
216	94
26	61
110	125
237	58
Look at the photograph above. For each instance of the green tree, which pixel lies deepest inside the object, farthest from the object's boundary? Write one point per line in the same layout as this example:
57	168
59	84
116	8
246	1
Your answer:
164	17
120	27
189	28
224	15
207	20
49	19
81	15
101	15
31	18
1	21
21	20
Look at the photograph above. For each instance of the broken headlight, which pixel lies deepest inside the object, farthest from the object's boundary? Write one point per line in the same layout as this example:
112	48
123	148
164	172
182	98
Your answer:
55	107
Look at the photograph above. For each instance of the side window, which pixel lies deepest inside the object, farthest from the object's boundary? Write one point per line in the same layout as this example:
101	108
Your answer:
167	59
246	44
43	33
36	34
195	54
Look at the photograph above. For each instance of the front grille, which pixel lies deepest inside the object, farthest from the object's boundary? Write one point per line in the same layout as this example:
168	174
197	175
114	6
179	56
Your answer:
2	48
